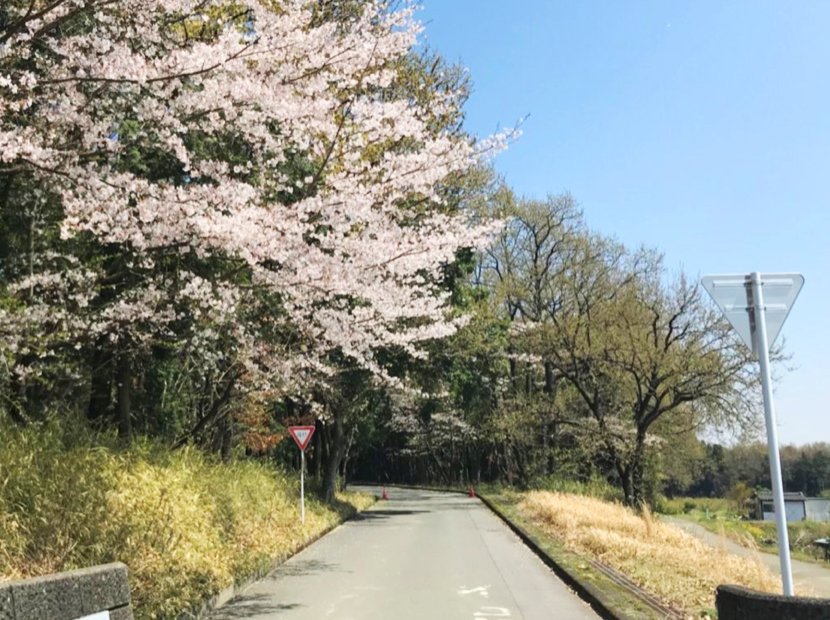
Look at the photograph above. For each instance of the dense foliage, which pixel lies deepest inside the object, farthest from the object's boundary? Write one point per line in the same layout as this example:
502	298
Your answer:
219	218
209	210
583	359
712	470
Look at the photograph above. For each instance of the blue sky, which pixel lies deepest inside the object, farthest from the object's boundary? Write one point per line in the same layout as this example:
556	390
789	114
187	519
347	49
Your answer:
701	128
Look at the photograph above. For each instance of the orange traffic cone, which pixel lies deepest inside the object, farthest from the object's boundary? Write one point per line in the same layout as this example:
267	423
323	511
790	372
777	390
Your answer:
472	492
384	494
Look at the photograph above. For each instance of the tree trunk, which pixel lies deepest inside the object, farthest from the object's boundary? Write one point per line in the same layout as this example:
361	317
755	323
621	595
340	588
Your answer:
452	452
317	471
346	455
225	434
17	403
549	378
524	479
638	485
625	480
100	397
211	415
336	450
638	473
344	474
550	438
632	476
325	445
125	426
439	468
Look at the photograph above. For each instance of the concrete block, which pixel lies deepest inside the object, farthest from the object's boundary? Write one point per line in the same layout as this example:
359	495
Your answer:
122	613
66	596
6	603
104	587
53	596
735	603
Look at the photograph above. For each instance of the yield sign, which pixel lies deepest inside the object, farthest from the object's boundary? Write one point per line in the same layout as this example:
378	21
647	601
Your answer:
302	435
733	295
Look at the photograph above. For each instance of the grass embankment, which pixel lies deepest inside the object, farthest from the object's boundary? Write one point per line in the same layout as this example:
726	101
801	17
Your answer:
185	525
663	560
612	594
721	517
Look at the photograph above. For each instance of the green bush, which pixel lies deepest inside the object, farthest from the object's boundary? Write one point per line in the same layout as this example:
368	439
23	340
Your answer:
689	505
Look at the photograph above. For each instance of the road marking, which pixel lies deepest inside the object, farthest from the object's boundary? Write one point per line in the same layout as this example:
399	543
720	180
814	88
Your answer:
482	590
493	612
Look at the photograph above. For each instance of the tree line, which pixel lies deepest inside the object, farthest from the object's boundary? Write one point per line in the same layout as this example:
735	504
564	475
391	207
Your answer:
220	218
713	470
212	211
582	359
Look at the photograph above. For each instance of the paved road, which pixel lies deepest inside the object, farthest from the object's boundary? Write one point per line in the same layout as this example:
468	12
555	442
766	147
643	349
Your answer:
420	555
809	578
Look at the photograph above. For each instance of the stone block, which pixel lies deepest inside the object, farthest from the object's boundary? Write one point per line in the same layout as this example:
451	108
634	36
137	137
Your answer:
104	587
53	596
67	596
6	603
122	613
735	603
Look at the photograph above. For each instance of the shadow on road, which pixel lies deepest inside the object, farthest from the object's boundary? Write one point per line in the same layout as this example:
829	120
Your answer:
375	515
406	498
251	606
302	568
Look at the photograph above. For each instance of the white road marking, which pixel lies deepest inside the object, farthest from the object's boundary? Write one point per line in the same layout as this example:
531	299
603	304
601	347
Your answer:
482	590
493	612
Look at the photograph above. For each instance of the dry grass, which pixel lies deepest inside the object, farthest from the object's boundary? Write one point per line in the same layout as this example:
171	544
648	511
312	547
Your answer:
185	525
664	560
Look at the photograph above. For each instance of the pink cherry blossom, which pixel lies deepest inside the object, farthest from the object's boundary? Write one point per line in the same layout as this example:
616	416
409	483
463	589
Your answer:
353	264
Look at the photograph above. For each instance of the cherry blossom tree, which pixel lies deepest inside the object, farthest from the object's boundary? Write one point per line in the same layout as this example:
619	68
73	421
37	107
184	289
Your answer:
218	157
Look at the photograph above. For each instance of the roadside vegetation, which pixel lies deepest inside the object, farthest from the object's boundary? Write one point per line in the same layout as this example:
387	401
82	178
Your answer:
662	559
184	523
329	247
721	516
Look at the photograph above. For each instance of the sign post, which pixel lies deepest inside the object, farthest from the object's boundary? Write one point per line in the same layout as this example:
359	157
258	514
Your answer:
757	306
302	435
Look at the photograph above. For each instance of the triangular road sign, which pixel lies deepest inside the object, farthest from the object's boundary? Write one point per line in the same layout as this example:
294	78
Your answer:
302	435
733	295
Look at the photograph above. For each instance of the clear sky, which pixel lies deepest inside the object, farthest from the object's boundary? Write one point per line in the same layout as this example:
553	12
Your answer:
701	128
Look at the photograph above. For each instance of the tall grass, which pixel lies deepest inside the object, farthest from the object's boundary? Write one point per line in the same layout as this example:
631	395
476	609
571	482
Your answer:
592	487
664	560
687	505
185	524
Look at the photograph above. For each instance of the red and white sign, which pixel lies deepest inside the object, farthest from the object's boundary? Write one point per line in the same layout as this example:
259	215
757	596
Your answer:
302	435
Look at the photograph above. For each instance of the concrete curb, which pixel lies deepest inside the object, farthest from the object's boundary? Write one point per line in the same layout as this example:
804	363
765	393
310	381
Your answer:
585	591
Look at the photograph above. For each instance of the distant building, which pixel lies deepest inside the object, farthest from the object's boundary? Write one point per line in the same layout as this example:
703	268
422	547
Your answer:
797	506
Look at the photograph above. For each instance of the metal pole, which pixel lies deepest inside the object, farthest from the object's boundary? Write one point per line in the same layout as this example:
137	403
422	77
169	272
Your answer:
302	486
772	435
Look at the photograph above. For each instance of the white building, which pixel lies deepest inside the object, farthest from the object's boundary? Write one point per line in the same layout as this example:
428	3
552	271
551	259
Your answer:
797	506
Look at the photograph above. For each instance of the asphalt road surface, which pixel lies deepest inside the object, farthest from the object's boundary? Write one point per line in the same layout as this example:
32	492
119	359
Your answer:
419	555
